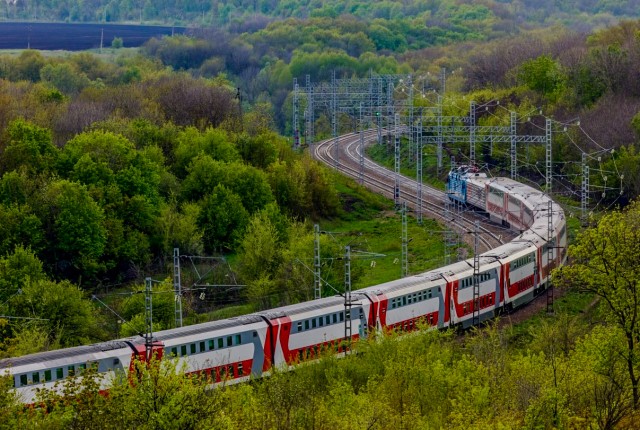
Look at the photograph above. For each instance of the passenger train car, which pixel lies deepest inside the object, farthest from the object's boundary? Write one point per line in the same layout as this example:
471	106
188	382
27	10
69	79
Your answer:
248	346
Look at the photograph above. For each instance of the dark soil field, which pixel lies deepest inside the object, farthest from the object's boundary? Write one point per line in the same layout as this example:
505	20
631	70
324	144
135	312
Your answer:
76	37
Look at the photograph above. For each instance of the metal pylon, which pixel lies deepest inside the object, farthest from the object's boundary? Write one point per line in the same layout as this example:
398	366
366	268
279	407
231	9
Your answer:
347	297
476	276
177	287
405	242
550	250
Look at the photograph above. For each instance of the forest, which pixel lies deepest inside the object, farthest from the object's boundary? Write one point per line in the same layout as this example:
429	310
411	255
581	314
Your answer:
111	160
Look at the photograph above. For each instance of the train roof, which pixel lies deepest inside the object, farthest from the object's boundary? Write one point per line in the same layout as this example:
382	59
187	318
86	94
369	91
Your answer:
303	307
207	327
65	353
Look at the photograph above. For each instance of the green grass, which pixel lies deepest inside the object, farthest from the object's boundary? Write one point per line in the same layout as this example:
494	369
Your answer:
573	303
384	155
369	224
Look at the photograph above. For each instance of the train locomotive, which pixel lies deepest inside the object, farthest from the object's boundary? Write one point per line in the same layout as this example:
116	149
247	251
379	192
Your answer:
236	349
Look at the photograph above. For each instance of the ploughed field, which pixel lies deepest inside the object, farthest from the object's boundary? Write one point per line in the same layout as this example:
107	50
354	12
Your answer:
76	37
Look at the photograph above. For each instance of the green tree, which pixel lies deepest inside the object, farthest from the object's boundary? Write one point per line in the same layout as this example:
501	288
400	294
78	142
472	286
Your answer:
605	264
65	78
223	219
74	228
543	75
17	270
29	146
69	316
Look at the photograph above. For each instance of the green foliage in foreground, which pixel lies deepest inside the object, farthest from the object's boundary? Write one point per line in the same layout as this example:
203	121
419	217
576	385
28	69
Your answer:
566	378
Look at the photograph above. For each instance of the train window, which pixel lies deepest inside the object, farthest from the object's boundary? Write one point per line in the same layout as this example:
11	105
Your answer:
415	297
255	333
238	339
300	326
409	299
116	361
81	367
35	377
231	371
404	300
183	350
335	318
220	343
192	348
229	341
320	321
59	373
212	344
313	323
306	325
328	319
240	370
174	351
202	347
23	380
71	371
47	375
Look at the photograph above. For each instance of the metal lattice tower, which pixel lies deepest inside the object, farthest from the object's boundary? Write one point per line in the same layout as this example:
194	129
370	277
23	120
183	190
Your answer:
396	187
476	276
549	172
379	111
317	280
451	238
148	318
472	132
439	140
361	147
177	287
419	150
405	242
550	250
584	201
334	119
310	118
296	129
514	160
347	297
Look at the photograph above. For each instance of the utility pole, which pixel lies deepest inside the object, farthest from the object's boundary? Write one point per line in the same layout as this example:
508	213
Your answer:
472	132
548	155
476	276
439	133
177	287
296	131
584	201
550	249
347	298
514	160
310	113
334	118
317	280
405	242
148	316
361	147
396	187
419	150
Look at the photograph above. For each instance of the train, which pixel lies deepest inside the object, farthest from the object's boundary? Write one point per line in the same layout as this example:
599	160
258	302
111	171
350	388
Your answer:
237	349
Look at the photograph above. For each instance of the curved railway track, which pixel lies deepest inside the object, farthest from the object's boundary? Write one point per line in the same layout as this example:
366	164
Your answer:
382	180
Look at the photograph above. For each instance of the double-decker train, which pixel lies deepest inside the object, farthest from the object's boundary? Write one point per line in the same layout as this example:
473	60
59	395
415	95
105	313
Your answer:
242	347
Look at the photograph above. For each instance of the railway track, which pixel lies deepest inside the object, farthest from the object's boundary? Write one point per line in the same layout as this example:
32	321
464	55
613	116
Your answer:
346	158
